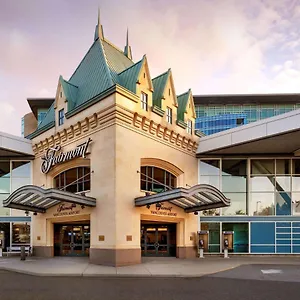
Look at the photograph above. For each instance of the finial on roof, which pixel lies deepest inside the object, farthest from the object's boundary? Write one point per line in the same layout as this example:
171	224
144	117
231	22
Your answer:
127	49
99	29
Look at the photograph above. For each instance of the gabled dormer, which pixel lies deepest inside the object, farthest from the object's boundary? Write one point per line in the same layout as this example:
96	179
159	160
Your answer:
164	96
186	114
137	79
65	100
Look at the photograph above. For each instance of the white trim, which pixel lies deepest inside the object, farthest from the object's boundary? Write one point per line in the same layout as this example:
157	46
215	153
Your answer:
15	144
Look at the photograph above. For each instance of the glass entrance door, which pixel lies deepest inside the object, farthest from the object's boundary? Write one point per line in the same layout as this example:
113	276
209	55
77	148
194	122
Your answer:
158	240
72	240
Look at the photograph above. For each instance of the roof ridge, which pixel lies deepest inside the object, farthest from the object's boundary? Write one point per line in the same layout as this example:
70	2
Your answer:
161	74
188	91
106	65
117	48
68	82
131	66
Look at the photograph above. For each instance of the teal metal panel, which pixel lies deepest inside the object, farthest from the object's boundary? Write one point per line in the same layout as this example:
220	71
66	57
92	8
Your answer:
283	249
262	233
262	249
296	249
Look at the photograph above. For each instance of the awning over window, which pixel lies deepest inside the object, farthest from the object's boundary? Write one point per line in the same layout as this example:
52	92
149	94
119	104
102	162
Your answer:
37	199
197	198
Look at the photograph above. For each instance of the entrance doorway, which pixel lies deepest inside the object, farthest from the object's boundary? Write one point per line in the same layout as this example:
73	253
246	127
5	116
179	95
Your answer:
158	239
71	239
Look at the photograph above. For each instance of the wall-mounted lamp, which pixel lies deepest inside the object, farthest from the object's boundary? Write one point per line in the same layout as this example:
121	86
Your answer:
158	205
196	213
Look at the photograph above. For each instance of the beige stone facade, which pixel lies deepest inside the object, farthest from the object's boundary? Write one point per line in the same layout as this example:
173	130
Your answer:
124	138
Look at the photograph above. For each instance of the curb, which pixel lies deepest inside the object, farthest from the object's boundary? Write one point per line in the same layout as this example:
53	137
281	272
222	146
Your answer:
142	276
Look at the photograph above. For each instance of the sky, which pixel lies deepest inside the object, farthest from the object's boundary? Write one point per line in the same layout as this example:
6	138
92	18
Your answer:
212	46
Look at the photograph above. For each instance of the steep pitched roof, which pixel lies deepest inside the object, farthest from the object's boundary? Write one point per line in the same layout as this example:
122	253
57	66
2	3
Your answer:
129	77
159	84
182	104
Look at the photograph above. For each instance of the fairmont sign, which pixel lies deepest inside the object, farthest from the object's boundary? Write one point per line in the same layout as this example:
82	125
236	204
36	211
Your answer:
55	156
163	211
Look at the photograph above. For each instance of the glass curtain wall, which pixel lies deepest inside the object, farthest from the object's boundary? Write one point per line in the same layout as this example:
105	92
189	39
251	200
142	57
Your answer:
4	186
222	117
256	187
13	174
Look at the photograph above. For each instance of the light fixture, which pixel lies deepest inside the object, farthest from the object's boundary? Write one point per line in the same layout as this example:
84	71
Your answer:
196	213
158	205
26	213
148	206
35	213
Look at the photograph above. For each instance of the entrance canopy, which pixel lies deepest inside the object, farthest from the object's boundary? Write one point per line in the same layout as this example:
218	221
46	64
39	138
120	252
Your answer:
197	198
37	199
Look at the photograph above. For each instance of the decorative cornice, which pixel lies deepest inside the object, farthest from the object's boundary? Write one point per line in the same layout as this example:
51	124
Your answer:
112	115
181	124
158	110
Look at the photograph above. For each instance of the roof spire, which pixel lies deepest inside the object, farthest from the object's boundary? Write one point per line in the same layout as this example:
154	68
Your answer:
99	29
127	49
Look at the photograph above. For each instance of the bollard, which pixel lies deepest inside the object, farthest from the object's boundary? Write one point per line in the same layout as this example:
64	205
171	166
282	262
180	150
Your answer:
23	253
201	253
226	253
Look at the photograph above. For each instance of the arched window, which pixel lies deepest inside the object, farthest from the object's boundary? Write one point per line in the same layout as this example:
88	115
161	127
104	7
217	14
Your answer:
156	180
74	180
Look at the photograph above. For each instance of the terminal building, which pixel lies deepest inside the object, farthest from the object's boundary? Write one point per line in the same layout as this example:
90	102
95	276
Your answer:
216	113
256	166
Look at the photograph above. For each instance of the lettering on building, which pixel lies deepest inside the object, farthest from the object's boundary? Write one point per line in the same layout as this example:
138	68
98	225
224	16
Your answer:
67	210
163	211
55	156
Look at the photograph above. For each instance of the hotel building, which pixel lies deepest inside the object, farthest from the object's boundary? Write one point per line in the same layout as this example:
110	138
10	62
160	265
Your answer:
115	173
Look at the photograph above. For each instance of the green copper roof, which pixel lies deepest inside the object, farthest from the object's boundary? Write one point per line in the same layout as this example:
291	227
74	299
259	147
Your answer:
159	84
92	75
70	91
116	60
102	68
129	77
182	103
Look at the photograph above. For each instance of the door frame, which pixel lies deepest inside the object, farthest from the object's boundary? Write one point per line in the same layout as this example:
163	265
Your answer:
72	245
144	240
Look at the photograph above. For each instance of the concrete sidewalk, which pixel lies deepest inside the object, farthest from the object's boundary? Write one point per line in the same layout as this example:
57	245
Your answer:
151	267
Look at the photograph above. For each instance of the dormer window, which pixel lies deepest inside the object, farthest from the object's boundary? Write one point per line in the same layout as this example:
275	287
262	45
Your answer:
61	117
189	127
144	101
169	115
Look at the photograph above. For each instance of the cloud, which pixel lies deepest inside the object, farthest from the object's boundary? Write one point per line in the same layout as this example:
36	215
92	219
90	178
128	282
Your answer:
212	46
9	121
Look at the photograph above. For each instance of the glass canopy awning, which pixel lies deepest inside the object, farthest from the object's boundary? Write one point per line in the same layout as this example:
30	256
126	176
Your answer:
37	199
197	198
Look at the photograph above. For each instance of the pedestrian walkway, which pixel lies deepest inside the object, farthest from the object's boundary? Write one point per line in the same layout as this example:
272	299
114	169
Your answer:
150	267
